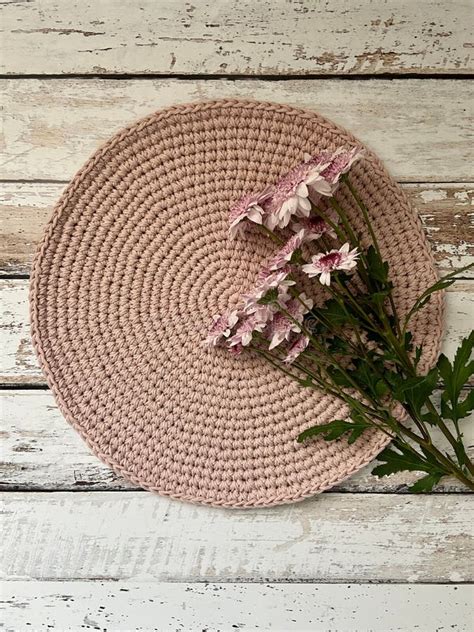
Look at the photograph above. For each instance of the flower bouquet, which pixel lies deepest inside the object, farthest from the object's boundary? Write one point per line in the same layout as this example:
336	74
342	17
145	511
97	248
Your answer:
355	344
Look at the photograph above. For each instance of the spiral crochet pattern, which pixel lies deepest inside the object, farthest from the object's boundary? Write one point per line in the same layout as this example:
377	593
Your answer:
134	263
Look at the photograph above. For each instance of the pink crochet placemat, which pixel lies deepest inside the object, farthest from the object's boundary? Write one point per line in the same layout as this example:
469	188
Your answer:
134	263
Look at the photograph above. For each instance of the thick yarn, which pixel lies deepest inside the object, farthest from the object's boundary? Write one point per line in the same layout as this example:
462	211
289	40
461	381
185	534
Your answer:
134	263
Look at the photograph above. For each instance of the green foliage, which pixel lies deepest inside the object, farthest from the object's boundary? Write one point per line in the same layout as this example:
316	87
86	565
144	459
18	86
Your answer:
400	458
416	391
306	382
426	483
418	352
383	372
270	297
336	429
441	284
455	376
337	345
335	313
376	267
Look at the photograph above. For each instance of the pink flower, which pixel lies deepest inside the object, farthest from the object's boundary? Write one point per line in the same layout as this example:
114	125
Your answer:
236	350
244	333
314	227
282	326
249	207
221	328
283	256
266	281
296	349
290	194
339	163
324	263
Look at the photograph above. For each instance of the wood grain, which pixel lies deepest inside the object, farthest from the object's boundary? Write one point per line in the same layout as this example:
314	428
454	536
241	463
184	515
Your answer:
275	37
138	536
421	128
41	452
124	606
446	211
19	364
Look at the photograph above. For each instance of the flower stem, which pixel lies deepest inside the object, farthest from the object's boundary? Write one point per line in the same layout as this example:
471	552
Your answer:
271	234
365	213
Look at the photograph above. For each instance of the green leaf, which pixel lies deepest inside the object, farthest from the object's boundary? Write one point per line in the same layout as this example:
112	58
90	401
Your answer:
455	376
337	345
377	269
334	312
270	297
408	341
418	352
338	377
393	378
441	284
415	391
437	287
296	257
430	418
381	388
399	461
336	429
465	406
306	382
426	483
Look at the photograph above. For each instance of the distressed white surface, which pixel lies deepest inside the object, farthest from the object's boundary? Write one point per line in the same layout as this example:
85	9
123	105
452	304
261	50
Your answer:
42	452
139	536
122	606
421	128
447	210
19	365
246	37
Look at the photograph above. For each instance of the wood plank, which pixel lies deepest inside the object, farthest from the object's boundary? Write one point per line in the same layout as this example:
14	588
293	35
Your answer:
445	209
337	538
19	363
247	37
41	452
124	606
421	128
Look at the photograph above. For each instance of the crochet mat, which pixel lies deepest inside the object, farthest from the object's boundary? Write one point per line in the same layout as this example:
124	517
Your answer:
134	263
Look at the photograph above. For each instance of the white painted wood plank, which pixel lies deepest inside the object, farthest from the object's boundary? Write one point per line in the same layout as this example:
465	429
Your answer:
139	536
421	128
246	37
446	211
42	452
123	606
18	363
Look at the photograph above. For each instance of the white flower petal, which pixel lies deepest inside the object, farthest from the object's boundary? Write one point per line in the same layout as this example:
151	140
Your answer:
302	190
322	187
275	341
309	269
325	278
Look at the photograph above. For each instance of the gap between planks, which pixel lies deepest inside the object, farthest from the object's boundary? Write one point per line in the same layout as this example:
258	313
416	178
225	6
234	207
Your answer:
464	76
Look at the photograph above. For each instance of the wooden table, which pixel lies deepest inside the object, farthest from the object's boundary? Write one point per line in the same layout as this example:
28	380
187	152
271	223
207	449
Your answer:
82	548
